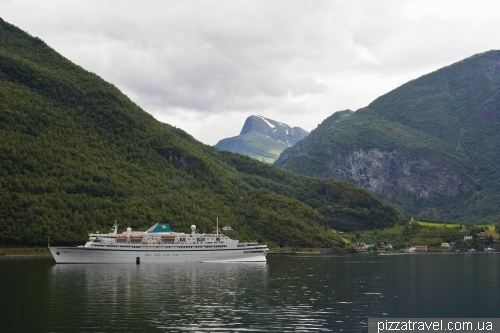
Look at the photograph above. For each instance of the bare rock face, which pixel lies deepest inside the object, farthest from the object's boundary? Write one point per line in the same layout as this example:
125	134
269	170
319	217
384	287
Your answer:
394	175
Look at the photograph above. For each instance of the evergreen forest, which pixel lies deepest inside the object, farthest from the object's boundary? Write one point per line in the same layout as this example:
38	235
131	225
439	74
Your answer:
76	154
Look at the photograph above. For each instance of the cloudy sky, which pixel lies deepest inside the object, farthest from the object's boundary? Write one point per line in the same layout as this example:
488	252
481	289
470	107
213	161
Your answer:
205	66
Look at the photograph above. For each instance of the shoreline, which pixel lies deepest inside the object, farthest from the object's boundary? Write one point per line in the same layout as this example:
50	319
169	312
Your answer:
26	256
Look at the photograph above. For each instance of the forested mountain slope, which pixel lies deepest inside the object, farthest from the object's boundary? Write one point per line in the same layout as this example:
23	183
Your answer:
431	146
76	154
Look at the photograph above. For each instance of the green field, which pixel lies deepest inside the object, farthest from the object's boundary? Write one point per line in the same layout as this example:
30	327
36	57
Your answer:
431	234
439	224
455	225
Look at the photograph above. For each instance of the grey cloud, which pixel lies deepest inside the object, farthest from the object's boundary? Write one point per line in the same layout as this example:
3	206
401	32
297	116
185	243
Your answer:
210	56
285	59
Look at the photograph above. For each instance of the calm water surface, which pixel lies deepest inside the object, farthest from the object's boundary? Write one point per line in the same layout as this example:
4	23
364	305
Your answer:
291	293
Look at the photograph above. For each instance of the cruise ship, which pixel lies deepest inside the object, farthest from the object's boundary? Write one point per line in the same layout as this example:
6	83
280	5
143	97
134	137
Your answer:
159	244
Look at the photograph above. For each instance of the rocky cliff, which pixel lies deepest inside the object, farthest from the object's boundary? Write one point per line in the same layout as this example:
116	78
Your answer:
396	175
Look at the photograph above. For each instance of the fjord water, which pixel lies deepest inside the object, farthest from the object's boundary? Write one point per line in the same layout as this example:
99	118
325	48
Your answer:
289	293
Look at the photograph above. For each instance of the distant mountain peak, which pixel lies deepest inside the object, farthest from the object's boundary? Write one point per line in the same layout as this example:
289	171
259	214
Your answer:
263	138
274	129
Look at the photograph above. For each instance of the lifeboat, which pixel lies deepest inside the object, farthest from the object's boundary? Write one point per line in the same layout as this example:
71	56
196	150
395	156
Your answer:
136	237
169	239
121	238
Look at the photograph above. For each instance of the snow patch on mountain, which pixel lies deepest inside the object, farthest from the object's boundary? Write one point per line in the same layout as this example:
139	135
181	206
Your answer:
270	125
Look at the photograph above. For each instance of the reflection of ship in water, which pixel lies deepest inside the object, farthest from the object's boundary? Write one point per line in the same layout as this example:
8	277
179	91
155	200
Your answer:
156	296
159	244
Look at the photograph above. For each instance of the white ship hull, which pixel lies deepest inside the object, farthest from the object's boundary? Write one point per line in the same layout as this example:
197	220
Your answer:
87	255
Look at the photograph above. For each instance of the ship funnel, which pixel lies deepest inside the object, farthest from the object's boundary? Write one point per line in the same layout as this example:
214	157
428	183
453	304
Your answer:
193	228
